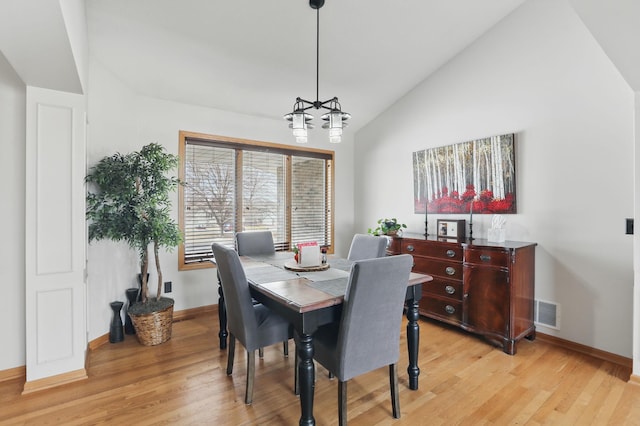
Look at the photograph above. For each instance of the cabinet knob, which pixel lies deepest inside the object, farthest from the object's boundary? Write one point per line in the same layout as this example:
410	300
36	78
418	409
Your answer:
450	270
485	257
410	248
450	309
451	253
449	289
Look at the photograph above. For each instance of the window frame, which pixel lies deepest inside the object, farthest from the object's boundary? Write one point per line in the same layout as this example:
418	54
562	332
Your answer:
238	143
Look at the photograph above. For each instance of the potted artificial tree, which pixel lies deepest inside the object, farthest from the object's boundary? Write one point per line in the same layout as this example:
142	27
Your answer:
131	203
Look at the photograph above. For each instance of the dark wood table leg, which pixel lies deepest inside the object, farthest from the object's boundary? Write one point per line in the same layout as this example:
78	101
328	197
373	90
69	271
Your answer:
413	342
306	376
222	318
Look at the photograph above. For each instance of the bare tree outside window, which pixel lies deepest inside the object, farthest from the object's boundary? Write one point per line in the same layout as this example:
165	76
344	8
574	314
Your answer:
233	185
210	186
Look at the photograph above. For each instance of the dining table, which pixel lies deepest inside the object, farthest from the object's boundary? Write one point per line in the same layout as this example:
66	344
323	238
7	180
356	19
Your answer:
309	297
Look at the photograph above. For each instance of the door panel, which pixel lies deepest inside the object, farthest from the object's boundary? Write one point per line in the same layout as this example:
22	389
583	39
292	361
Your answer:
55	242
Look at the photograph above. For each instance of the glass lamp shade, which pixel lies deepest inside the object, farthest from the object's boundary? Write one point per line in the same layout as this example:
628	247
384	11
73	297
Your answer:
335	135
300	123
300	134
334	121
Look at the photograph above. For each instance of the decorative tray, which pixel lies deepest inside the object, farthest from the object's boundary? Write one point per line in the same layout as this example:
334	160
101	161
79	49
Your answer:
293	266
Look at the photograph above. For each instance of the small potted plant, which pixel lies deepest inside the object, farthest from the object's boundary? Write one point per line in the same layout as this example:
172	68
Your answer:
130	202
389	227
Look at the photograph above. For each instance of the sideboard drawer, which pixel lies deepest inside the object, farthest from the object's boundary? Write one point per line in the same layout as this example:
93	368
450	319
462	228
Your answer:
451	270
487	257
445	309
433	249
443	288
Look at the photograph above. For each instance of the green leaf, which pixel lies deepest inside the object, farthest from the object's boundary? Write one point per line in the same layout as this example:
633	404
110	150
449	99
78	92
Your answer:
129	199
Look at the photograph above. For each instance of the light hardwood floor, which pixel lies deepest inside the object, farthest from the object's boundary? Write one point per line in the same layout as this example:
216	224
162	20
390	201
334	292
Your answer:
463	380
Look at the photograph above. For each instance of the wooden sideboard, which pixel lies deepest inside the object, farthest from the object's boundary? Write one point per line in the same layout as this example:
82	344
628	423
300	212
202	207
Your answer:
480	286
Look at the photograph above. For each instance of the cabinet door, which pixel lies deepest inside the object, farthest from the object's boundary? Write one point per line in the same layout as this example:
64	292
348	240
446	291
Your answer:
486	300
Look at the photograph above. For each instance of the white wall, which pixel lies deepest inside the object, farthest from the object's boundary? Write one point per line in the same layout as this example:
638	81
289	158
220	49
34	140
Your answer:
539	74
636	247
120	120
12	172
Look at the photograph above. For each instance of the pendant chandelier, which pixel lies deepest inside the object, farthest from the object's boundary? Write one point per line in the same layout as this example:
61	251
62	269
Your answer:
334	118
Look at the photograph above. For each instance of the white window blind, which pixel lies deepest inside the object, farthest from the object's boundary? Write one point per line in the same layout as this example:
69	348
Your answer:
209	194
308	200
264	195
234	186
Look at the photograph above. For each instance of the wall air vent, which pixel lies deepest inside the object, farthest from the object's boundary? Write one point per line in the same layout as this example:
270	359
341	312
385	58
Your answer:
547	314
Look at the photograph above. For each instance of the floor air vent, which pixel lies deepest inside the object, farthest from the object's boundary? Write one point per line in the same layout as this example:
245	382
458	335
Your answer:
547	314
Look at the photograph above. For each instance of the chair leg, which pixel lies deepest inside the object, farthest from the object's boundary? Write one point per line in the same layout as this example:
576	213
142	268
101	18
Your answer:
231	353
251	373
261	353
296	379
342	403
285	348
393	383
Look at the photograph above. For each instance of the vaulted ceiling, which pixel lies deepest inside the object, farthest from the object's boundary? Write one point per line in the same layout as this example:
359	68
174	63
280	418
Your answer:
256	57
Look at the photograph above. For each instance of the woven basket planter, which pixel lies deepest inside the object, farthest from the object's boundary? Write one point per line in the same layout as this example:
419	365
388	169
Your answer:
153	328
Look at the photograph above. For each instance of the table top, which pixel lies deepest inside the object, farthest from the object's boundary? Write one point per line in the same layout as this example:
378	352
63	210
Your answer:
304	291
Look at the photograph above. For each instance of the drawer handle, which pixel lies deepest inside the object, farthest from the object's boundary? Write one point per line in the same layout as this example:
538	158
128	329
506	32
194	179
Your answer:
450	270
451	253
410	248
450	309
449	289
485	257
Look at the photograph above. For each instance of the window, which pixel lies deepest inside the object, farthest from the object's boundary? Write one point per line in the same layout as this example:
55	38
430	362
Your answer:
234	185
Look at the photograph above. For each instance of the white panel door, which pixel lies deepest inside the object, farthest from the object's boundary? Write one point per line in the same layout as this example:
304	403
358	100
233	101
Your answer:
55	234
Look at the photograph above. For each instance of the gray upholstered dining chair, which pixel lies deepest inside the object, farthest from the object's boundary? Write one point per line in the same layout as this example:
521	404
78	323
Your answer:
252	243
254	325
368	334
365	246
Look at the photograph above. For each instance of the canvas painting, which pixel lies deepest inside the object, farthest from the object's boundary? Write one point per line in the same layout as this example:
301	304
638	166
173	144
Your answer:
478	176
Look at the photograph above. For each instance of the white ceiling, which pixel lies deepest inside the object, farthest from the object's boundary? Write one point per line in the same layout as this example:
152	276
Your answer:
36	40
256	57
615	24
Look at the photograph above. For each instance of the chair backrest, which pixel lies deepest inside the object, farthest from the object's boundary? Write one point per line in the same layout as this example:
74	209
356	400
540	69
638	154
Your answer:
241	317
250	243
365	246
369	333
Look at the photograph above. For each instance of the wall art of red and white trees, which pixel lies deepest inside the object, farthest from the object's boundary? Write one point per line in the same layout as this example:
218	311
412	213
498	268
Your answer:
478	176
